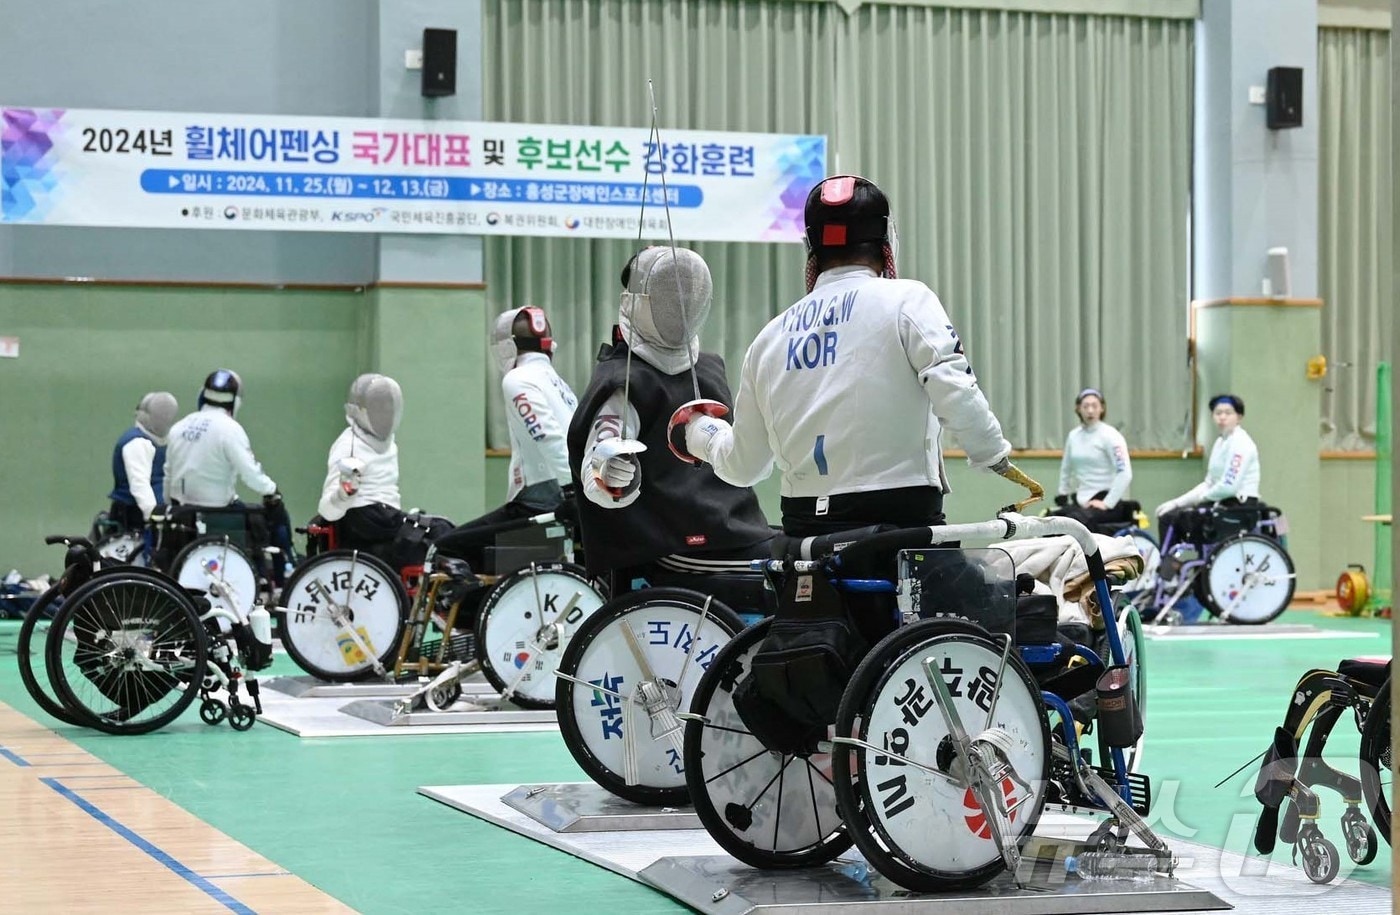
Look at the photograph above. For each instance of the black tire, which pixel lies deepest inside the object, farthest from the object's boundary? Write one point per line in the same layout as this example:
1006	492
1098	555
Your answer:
498	630
573	703
1377	760
856	800
168	629
1359	838
814	833
25	647
212	711
1221	568
242	717
1319	859
314	641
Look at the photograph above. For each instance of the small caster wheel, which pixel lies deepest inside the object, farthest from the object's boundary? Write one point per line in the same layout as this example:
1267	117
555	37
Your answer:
1320	859
241	717
1361	839
444	697
212	711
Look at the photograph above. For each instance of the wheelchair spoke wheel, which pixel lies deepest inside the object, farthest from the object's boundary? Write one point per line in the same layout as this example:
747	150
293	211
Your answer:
220	569
1248	579
522	629
1378	761
926	831
368	595
768	809
127	653
668	631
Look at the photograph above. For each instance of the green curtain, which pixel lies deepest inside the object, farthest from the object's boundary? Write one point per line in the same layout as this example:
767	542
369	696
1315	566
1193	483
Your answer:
1354	268
1038	166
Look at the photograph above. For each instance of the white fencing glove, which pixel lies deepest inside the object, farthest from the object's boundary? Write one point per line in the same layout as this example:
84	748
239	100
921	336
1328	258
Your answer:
1170	505
615	465
351	472
701	431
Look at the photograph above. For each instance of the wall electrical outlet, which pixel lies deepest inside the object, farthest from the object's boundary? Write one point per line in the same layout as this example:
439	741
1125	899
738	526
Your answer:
413	60
1257	95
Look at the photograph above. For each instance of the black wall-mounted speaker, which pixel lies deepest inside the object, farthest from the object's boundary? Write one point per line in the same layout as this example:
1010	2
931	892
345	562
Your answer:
439	62
1285	98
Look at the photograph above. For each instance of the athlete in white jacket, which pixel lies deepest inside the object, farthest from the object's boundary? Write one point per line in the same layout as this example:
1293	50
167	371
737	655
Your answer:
1232	474
539	405
1095	470
209	453
850	389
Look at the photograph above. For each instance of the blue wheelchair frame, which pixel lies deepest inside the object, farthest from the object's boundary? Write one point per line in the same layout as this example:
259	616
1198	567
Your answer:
1039	655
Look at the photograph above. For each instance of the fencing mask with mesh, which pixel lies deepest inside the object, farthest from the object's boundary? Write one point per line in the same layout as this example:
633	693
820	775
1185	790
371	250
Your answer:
375	407
666	298
156	414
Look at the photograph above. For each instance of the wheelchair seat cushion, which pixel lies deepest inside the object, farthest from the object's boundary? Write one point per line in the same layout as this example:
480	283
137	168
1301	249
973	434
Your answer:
1371	671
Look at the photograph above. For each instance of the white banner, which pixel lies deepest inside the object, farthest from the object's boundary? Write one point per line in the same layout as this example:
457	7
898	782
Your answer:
226	171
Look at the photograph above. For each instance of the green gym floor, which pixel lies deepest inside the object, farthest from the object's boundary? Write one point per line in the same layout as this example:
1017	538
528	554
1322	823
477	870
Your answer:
344	814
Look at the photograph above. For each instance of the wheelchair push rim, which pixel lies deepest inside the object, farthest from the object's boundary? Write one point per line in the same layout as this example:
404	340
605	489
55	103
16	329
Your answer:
127	653
525	625
928	832
1248	580
767	809
593	723
370	595
215	560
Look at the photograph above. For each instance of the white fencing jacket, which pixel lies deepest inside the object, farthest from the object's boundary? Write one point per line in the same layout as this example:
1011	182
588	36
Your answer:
1095	459
539	405
1233	471
849	390
379	479
207	453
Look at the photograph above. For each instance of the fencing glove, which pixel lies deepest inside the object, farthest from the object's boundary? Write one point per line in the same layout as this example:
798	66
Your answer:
351	472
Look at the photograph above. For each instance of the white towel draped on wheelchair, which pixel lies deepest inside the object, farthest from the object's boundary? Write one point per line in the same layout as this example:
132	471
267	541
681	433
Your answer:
1058	566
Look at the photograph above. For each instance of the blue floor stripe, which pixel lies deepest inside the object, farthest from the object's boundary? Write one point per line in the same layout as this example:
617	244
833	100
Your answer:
14	757
209	889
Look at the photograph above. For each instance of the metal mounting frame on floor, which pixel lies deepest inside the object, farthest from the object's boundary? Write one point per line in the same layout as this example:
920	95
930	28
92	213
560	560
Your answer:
586	807
721	885
688	865
306	686
478	709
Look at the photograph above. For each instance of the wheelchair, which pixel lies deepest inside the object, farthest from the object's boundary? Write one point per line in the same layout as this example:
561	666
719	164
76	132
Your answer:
634	665
947	741
346	616
1360	686
226	552
1232	559
128	650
